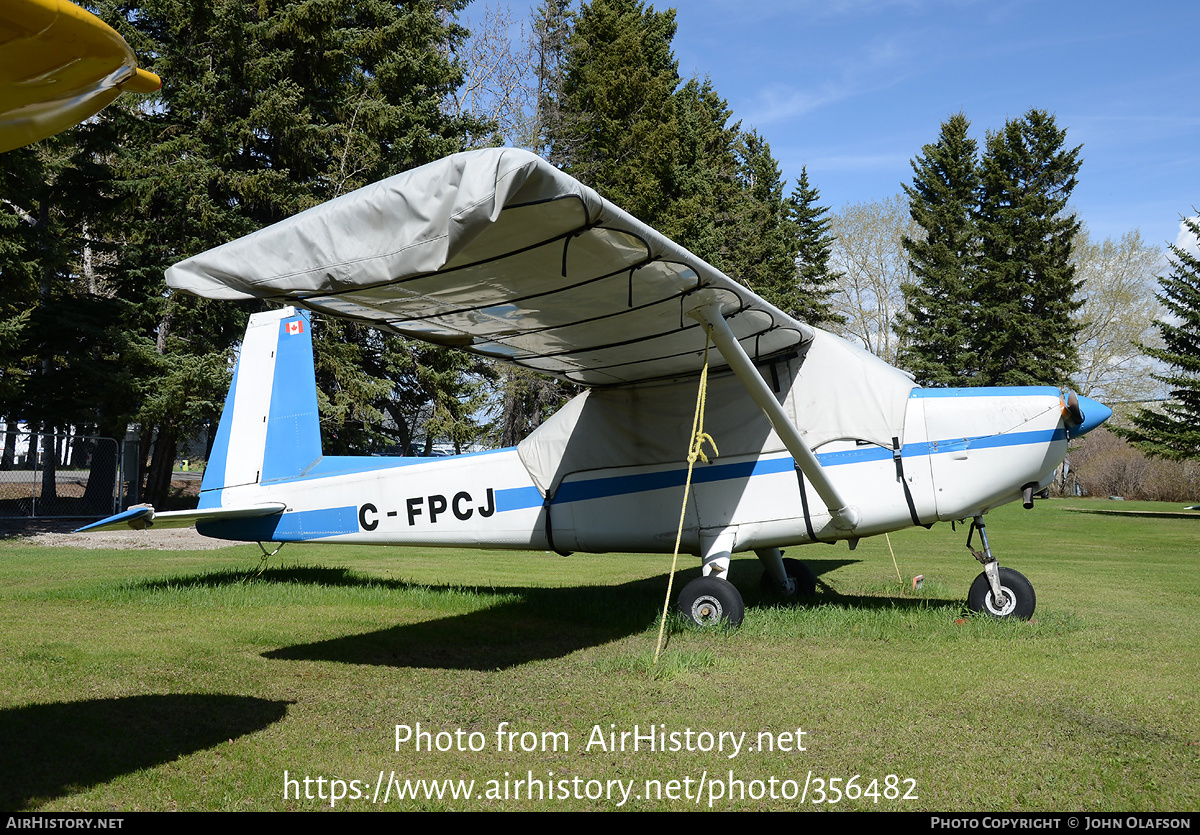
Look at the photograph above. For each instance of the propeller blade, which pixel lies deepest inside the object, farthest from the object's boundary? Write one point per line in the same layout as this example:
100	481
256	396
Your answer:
1072	413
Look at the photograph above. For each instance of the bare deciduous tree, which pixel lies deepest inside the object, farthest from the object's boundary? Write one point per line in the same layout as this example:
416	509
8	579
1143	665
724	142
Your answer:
1102	464
1116	281
870	255
500	83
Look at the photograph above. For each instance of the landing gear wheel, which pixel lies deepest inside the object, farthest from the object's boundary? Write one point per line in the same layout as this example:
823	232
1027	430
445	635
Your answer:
1020	599
711	601
806	581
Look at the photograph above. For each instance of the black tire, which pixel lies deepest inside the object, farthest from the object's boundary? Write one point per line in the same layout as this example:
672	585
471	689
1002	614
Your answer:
1021	599
806	581
711	601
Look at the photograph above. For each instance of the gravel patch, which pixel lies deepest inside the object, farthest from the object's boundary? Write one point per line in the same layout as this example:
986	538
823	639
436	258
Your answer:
59	534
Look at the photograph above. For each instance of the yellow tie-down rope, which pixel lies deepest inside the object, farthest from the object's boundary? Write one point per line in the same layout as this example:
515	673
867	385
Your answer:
695	450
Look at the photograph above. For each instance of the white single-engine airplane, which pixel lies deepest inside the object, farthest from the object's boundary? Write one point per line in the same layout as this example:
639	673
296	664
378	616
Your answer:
499	253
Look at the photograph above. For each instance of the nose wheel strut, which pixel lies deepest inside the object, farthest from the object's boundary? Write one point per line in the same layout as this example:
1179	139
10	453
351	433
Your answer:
999	592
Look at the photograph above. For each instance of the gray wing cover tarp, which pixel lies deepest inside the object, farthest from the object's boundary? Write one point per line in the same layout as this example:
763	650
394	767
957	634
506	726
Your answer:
499	253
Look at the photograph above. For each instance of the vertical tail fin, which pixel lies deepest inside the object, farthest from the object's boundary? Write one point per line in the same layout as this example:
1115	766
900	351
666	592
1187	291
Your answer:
269	429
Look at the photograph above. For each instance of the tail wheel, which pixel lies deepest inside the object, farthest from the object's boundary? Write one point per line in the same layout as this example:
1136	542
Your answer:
711	601
1019	602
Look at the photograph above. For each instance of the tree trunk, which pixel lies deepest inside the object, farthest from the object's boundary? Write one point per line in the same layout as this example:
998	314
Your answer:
9	456
102	478
49	469
158	480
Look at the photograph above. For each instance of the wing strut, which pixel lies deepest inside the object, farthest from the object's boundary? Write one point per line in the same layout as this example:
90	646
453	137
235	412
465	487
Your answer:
708	311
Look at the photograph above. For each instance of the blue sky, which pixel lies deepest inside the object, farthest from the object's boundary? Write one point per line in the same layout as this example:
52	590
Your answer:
854	88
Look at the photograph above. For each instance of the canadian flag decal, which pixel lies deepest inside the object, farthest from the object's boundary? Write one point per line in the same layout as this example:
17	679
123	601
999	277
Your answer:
296	327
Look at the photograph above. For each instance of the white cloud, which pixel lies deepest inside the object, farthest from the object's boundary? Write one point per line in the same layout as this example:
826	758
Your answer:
878	65
1186	241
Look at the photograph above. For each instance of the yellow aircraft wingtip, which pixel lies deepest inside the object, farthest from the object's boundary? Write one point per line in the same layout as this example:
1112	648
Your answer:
59	65
143	81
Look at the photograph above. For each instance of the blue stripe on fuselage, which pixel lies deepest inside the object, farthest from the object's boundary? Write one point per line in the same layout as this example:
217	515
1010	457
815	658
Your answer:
296	526
987	391
600	488
331	465
316	524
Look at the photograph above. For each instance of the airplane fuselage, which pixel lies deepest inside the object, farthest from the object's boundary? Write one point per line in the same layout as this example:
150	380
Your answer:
964	452
607	472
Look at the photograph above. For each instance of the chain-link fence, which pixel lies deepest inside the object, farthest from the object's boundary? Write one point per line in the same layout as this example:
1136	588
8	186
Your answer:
44	475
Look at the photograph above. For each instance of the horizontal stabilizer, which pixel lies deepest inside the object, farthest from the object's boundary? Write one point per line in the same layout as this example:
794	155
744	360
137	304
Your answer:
140	518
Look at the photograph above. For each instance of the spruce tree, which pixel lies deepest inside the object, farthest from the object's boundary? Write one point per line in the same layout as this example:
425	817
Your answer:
617	132
704	183
816	281
935	328
1025	294
67	358
1174	432
994	295
762	238
267	109
551	38
668	154
616	117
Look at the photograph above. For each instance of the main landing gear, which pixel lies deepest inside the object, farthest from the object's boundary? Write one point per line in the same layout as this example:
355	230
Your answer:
999	592
714	601
711	601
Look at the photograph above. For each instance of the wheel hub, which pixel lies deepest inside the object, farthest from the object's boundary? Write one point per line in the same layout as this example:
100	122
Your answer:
1006	605
707	610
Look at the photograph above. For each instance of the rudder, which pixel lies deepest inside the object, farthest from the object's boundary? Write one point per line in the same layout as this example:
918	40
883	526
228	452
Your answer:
269	428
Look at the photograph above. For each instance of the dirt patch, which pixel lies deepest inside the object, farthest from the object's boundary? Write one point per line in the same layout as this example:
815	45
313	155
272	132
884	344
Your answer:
59	534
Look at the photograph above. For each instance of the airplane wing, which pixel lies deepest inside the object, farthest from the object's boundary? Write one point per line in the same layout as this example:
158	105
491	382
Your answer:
501	254
59	65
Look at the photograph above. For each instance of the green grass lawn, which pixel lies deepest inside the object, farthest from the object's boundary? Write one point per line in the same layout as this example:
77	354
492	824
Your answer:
178	680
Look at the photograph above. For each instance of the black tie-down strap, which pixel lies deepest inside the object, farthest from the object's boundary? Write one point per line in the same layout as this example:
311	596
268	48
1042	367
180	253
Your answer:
546	503
808	526
912	507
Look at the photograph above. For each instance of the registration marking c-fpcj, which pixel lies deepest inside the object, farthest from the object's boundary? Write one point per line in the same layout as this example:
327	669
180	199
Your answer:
462	505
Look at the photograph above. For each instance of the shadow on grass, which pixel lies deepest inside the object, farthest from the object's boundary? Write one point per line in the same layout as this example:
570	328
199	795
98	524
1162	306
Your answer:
547	623
540	623
54	750
1143	514
828	596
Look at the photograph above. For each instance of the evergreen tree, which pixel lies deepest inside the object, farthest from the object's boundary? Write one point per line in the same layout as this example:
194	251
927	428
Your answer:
704	183
19	278
994	294
1025	291
935	328
668	154
67	354
267	109
617	131
616	117
779	247
816	280
607	116
763	239
1174	432
551	37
